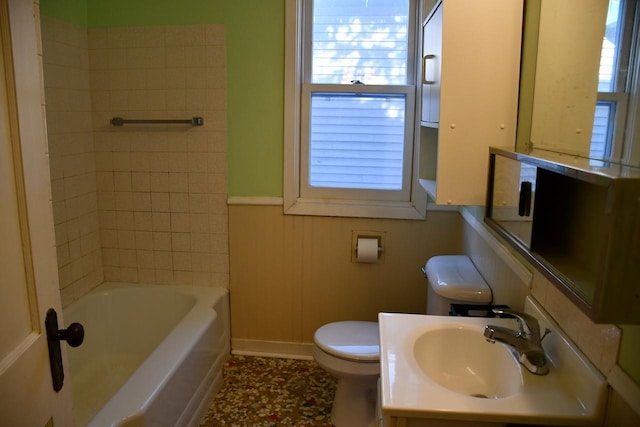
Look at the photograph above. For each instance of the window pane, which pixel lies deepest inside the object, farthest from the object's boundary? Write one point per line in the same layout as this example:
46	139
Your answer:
528	173
603	123
363	40
357	141
610	48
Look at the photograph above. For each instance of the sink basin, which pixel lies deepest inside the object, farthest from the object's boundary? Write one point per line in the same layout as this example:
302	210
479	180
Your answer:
441	368
460	359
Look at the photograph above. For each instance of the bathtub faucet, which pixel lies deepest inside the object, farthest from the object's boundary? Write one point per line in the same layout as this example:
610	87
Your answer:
526	342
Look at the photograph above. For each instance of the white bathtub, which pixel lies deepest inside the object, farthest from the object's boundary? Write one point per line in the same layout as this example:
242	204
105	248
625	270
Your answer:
152	355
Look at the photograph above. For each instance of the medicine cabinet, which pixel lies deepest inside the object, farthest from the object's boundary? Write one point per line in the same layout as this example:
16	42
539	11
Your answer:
577	220
469	94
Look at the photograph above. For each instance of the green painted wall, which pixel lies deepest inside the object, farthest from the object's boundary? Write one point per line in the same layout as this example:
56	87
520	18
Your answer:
255	58
73	11
255	72
133	13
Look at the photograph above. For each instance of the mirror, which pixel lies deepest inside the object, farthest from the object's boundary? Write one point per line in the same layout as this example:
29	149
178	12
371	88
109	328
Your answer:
580	83
576	224
512	195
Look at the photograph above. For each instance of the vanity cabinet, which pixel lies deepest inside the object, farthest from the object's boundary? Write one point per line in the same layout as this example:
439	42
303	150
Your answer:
578	221
470	75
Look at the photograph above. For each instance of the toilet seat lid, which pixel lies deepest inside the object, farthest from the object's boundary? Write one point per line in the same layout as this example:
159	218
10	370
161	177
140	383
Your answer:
355	340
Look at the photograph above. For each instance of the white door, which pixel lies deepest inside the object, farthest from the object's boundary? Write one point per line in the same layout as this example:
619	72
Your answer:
28	272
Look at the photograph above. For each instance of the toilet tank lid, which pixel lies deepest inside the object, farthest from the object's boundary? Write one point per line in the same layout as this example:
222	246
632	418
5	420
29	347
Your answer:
455	277
354	340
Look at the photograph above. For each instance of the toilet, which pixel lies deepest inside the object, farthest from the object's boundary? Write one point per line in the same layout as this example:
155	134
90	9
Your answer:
350	350
453	279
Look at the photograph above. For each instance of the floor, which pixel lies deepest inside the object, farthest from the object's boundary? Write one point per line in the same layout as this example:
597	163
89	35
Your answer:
267	392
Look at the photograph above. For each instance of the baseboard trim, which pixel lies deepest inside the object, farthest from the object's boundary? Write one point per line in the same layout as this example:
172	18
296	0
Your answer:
280	349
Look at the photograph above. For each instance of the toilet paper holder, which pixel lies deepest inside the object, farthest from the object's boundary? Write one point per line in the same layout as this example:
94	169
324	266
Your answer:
379	236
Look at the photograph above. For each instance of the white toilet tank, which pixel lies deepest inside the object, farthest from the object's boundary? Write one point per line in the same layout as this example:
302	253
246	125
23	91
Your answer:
453	279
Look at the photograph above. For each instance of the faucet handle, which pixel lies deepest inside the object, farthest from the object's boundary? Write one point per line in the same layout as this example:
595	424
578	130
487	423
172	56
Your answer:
527	323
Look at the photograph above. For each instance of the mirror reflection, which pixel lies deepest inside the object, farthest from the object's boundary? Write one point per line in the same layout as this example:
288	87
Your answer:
587	79
513	197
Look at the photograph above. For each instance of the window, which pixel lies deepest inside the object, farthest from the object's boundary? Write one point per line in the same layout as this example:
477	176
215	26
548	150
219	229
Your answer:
350	107
615	82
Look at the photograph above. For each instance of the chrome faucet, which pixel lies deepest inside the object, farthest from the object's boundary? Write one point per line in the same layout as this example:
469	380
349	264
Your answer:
526	342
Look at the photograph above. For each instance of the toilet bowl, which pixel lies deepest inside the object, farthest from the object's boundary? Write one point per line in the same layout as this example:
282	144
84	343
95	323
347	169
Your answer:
350	350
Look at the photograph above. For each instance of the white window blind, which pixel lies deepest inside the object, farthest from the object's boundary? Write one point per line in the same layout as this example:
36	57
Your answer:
608	125
602	134
357	141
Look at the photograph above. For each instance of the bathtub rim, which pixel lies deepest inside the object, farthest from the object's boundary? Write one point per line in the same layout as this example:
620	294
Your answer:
142	387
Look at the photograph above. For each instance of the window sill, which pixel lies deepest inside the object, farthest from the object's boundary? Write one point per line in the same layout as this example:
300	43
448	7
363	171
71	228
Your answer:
349	208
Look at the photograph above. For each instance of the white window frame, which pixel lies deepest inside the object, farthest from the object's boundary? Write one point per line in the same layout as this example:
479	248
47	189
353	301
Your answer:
631	152
410	203
623	96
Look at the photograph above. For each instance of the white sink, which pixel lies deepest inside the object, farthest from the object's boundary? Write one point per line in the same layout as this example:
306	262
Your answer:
468	364
441	367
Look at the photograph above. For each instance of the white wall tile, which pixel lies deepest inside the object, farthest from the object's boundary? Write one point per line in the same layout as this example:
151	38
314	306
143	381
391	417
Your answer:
146	275
175	35
162	241
126	239
122	181
146	200
127	257
159	181
145	259
72	162
180	222
163	260
143	221
124	201
142	202
161	221
181	241
179	202
124	220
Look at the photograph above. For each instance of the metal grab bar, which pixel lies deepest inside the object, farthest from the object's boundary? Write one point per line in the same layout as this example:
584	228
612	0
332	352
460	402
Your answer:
194	121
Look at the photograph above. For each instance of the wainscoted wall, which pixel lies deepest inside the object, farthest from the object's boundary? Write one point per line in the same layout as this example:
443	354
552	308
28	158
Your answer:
292	274
71	157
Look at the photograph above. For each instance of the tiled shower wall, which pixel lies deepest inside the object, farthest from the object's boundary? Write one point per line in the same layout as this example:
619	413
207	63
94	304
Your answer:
147	203
71	157
161	188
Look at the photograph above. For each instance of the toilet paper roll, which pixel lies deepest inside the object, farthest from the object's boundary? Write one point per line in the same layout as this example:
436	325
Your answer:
367	250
